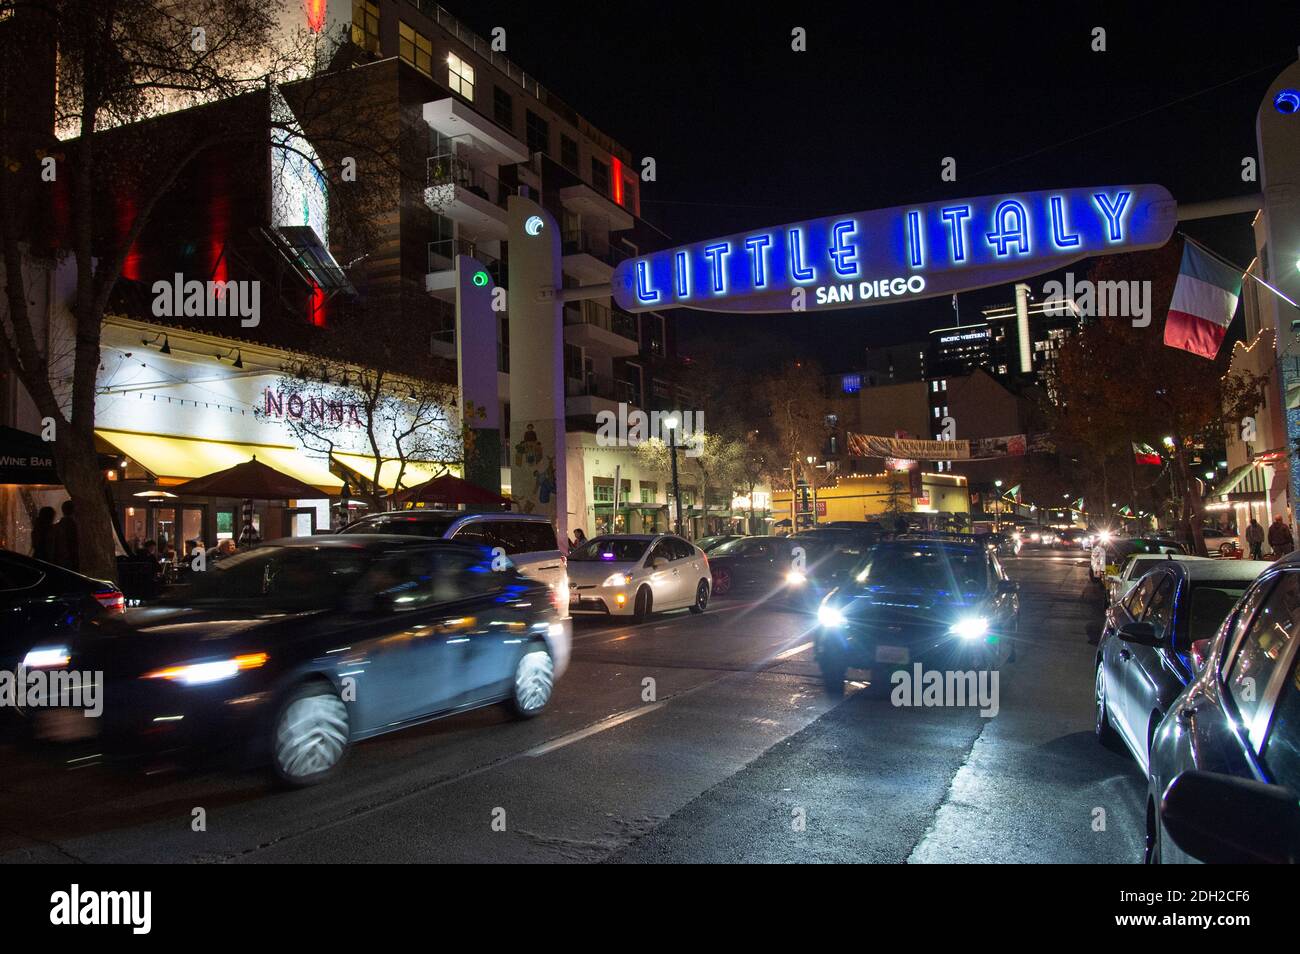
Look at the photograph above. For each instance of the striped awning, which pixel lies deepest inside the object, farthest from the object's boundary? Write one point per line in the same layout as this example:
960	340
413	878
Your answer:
1247	482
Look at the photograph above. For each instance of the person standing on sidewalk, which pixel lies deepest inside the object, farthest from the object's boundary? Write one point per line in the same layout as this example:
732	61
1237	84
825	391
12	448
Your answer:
1255	539
1279	538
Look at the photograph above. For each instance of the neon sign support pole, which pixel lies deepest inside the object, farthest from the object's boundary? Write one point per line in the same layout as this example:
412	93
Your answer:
1022	328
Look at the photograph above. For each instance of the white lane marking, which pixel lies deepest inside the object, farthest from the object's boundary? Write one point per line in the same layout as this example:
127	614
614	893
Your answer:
608	723
793	651
613	627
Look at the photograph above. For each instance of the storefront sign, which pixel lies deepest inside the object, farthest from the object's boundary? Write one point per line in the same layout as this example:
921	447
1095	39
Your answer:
903	253
319	410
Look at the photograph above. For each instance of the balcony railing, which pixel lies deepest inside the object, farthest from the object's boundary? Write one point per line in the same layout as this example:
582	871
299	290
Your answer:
577	242
601	386
614	320
442	257
449	168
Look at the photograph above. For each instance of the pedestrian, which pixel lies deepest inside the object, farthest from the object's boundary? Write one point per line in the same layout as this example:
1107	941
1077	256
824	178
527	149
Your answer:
1279	537
579	538
66	549
43	535
1255	539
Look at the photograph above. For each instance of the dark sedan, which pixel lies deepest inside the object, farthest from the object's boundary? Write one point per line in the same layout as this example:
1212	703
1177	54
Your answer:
918	600
709	544
799	568
1149	647
296	649
1239	718
46	605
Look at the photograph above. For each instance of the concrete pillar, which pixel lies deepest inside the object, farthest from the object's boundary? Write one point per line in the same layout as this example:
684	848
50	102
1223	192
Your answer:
476	371
1278	138
538	481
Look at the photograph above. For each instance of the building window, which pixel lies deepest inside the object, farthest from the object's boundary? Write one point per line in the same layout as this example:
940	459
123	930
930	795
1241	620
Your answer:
414	47
460	76
537	132
568	153
365	25
599	176
503	108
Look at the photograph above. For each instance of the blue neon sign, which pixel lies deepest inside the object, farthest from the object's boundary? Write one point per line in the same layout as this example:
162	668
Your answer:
909	252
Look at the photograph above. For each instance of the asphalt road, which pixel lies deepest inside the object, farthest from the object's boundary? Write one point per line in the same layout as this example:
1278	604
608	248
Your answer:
684	738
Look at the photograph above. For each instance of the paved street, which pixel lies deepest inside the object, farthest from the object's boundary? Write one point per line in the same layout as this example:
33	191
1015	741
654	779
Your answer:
739	749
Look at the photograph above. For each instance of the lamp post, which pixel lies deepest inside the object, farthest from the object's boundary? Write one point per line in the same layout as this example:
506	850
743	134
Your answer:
671	424
812	466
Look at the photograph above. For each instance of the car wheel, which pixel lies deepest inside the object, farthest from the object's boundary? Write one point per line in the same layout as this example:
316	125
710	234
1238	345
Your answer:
721	581
701	597
534	682
641	607
1102	726
1151	845
310	735
832	677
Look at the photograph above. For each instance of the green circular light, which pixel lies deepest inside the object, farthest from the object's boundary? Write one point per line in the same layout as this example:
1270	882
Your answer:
481	279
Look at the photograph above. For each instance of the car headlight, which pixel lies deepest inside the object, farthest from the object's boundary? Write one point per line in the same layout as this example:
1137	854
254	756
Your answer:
830	616
972	627
617	579
199	674
795	578
47	657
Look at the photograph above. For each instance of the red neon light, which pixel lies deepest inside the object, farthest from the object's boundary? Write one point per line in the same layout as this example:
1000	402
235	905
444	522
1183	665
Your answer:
316	306
616	171
125	215
315	13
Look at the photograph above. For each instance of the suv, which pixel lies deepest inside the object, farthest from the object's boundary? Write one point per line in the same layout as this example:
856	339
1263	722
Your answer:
528	539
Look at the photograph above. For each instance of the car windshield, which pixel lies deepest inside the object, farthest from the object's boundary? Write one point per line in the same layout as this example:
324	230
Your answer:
283	577
609	550
407	525
926	568
731	547
1209	605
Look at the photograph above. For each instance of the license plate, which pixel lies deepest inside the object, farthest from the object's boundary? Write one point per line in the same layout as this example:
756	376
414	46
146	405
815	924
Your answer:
64	725
891	654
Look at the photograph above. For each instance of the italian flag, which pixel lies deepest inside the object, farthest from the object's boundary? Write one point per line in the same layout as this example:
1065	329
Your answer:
1143	454
1205	299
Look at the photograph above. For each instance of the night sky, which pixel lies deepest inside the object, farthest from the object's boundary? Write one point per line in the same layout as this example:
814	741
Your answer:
747	133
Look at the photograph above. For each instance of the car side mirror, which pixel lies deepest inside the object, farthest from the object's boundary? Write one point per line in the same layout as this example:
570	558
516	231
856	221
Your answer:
1141	633
1227	820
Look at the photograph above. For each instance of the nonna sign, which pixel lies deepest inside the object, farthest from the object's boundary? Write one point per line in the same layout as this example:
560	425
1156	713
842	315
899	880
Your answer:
907	252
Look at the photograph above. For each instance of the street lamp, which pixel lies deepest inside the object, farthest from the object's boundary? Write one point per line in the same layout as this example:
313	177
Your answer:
671	424
812	466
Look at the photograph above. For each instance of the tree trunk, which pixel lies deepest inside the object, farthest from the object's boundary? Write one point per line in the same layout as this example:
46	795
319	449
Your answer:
79	469
1191	504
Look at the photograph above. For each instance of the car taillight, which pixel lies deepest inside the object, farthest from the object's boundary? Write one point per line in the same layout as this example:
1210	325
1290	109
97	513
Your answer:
111	600
560	597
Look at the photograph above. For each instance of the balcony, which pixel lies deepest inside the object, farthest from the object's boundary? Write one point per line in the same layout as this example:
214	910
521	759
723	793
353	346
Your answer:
589	203
588	396
456	119
588	324
467	195
440	277
589	259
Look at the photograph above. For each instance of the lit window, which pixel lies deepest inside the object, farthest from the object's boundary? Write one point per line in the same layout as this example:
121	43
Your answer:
414	47
460	76
365	25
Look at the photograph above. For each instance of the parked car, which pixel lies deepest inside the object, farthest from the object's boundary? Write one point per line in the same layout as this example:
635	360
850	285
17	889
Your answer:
796	569
46	604
1136	566
1148	651
1109	555
936	600
294	650
529	540
637	574
1240	717
709	544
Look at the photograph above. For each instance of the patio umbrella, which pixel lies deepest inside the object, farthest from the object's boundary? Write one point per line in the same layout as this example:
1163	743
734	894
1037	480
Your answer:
251	480
450	491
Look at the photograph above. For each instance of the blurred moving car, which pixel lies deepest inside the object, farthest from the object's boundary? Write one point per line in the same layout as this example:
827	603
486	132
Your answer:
638	574
296	649
1136	566
799	569
529	540
1110	553
918	599
1239	717
709	544
1152	642
46	604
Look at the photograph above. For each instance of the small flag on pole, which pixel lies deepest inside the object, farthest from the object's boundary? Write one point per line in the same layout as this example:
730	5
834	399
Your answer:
1204	301
1144	454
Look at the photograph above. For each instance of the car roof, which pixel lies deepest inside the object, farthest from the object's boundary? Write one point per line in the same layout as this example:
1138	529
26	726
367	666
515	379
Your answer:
423	513
644	537
1203	570
934	543
371	541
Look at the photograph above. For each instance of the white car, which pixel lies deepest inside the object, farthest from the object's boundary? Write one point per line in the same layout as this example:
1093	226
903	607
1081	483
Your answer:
637	574
1119	585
